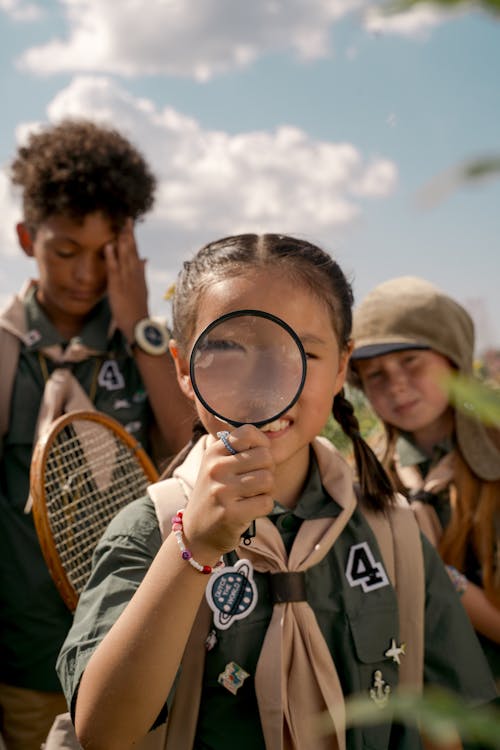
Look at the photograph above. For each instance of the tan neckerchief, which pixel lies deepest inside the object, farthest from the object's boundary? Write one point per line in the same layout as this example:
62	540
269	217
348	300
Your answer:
439	478
291	692
62	393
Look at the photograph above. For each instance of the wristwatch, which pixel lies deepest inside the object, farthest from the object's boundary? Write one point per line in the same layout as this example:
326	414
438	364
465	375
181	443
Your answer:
151	336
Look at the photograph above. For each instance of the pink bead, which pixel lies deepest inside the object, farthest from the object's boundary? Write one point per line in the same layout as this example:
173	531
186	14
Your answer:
177	527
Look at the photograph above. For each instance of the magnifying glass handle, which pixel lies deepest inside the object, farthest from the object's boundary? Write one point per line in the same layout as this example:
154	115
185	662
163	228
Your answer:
248	534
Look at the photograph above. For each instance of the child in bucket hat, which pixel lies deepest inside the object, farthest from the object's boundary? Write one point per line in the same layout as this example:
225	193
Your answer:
408	337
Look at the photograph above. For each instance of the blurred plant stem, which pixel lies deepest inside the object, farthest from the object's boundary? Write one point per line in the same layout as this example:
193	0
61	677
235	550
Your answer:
438	714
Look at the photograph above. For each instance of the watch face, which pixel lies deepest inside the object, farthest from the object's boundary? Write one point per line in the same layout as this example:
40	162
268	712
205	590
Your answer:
153	335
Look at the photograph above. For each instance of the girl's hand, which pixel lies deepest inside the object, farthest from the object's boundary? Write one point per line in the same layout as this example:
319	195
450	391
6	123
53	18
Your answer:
127	289
230	493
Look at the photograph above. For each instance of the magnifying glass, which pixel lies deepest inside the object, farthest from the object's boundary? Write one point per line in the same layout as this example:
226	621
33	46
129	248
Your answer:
248	367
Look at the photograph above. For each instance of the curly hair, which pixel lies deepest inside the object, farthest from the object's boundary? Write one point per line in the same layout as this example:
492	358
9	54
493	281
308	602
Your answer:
77	167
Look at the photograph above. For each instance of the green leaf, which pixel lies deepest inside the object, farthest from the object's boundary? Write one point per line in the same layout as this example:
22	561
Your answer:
474	397
438	713
492	7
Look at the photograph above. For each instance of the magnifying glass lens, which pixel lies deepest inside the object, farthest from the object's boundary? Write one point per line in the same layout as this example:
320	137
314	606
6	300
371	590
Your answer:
248	367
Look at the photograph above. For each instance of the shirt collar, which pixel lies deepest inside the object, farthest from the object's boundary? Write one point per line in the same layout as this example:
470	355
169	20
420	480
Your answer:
410	454
314	501
42	333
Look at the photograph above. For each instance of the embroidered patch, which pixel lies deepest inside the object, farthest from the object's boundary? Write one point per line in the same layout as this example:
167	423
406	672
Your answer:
121	403
233	677
231	593
32	337
110	376
363	570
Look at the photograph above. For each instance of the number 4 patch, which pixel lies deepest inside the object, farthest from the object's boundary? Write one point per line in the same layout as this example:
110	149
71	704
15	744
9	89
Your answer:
110	376
363	570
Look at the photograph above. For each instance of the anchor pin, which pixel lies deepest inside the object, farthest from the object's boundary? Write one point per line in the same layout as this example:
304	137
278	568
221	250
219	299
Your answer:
380	691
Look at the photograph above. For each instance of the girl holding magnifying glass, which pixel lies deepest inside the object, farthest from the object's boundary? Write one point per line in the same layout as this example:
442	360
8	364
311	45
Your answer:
336	594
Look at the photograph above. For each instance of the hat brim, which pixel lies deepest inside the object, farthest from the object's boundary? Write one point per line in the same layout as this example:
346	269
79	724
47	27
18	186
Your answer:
378	350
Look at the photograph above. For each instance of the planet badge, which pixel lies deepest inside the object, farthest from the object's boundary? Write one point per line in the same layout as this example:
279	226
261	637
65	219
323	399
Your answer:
231	593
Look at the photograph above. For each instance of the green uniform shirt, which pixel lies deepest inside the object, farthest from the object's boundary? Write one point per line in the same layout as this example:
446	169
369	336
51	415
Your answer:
33	618
410	455
357	626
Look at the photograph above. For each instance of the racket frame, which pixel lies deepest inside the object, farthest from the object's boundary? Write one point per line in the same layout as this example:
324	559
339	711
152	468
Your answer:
40	512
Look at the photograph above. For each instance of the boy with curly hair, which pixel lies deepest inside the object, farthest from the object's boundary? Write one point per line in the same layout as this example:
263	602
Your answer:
83	188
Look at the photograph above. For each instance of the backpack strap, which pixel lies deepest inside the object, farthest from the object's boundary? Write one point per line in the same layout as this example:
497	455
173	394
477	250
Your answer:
10	347
168	496
12	330
398	537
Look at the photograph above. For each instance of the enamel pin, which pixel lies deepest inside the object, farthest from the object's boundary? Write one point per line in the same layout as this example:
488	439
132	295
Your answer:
32	337
233	677
231	593
395	651
380	691
211	640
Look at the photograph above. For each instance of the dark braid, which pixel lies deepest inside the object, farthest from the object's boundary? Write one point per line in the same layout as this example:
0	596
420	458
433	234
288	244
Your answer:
376	487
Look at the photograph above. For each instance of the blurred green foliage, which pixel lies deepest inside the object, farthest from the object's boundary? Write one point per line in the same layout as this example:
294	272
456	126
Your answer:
438	713
370	426
474	397
491	7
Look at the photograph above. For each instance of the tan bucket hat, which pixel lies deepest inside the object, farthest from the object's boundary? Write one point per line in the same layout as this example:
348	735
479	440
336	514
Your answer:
410	313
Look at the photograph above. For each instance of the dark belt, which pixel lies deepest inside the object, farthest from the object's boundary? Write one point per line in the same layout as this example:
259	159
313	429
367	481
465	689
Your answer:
288	587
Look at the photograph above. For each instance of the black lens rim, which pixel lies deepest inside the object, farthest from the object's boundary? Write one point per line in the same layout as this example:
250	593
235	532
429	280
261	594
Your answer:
239	314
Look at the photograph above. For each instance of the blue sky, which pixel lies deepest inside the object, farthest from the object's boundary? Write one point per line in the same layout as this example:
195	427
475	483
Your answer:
315	117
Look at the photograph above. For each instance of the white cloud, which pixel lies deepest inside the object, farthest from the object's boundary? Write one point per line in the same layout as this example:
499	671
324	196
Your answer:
212	183
19	10
185	37
217	180
14	266
11	213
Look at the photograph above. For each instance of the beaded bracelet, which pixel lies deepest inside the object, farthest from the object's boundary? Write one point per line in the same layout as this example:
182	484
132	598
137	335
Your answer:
458	580
177	529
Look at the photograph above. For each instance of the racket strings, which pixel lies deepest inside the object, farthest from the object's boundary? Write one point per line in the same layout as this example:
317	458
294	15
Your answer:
90	475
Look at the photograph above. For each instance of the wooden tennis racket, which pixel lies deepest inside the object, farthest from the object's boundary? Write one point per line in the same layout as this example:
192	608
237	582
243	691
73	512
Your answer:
83	470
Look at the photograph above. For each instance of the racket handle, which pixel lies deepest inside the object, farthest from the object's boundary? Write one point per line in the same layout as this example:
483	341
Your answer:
248	534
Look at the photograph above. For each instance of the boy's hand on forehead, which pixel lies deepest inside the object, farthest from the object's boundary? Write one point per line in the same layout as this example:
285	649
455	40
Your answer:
231	491
127	289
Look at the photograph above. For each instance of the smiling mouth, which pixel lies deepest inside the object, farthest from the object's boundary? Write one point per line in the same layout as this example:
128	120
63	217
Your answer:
402	408
277	426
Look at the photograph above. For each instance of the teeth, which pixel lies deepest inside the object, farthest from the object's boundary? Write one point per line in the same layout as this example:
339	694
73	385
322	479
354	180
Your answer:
278	424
